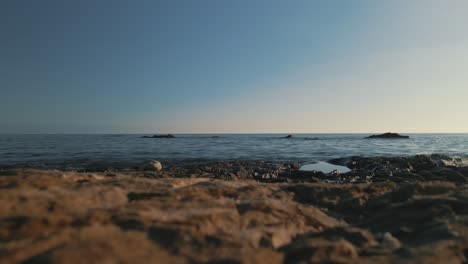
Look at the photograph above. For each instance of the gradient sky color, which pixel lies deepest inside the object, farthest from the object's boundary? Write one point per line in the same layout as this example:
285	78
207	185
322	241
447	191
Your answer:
221	66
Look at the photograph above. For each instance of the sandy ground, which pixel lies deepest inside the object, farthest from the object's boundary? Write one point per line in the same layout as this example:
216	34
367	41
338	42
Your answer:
71	217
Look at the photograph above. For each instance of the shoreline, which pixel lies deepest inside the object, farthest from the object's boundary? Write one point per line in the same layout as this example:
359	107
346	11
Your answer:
357	169
221	213
127	152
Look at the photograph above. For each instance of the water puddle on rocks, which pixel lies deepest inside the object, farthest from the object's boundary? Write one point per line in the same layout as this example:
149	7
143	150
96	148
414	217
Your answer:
324	167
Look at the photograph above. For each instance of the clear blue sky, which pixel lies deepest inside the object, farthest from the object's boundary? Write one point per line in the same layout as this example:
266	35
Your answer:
147	66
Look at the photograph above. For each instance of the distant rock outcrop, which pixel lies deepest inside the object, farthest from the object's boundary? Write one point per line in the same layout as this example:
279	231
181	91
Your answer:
389	136
288	136
160	136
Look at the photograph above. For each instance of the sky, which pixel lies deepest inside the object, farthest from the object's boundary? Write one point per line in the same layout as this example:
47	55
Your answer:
222	66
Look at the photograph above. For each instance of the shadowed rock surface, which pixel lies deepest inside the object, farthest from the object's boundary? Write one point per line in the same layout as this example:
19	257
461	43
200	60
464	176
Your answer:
232	212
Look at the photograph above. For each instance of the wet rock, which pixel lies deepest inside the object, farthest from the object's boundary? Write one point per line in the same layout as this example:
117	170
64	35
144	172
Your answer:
450	175
306	176
297	166
404	169
446	161
463	170
238	170
7	172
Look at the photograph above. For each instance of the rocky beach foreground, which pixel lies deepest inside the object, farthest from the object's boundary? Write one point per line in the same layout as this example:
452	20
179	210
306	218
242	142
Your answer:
386	210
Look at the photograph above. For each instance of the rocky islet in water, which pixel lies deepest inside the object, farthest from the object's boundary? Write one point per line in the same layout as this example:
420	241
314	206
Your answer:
388	136
305	138
160	136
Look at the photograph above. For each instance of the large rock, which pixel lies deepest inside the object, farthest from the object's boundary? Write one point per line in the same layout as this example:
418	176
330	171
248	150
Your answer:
388	136
65	216
160	136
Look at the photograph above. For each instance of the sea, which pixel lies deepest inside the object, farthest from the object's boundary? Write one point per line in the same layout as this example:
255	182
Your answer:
129	151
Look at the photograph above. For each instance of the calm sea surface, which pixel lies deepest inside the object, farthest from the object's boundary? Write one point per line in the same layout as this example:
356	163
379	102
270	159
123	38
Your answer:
126	151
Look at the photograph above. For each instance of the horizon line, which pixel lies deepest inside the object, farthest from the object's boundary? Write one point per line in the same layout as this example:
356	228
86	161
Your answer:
231	133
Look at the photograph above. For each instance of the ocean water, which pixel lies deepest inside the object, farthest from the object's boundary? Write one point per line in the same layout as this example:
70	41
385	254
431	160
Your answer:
127	151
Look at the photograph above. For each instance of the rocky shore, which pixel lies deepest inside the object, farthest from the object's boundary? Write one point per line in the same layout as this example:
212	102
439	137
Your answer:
386	210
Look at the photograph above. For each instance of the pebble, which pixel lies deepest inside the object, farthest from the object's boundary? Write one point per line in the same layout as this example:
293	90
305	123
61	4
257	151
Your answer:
154	165
389	241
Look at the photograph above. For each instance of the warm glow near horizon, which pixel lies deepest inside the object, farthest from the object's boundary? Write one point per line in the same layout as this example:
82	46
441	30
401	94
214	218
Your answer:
243	67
